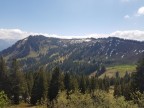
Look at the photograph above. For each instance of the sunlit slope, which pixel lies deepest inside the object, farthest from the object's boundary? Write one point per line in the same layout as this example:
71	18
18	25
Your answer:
122	69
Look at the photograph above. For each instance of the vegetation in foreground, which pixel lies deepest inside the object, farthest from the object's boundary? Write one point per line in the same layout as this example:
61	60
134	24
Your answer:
66	90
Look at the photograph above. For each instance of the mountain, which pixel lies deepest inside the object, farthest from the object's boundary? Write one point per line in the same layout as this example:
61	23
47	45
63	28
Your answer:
5	43
74	55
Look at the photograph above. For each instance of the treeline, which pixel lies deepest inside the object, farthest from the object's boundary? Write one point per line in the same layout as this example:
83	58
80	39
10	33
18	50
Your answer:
42	87
131	86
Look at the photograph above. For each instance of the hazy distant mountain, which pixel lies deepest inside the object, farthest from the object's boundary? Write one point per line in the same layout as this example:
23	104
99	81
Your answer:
74	54
5	43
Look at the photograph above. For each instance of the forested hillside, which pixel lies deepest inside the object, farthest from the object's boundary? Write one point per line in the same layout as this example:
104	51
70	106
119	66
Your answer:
74	55
67	90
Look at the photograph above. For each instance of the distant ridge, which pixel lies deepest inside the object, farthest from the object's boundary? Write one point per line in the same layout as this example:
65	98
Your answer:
35	51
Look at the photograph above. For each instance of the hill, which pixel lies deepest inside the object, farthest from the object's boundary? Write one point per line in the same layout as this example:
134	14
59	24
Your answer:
74	55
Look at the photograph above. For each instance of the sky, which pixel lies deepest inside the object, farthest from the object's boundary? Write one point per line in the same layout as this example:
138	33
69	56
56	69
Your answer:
72	18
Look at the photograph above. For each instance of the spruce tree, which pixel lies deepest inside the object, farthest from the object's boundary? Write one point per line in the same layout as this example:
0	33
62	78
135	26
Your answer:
30	81
54	85
117	88
18	81
138	77
39	90
74	83
67	83
92	84
82	85
4	78
106	83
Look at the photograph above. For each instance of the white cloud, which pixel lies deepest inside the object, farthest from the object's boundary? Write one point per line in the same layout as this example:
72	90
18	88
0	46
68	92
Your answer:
140	11
19	34
126	16
131	34
12	34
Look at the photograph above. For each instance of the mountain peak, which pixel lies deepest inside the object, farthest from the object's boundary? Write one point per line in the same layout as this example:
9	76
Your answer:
48	51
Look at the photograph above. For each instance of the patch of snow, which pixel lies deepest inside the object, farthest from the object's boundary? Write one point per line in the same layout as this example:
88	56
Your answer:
25	39
80	41
87	40
134	50
122	56
111	52
64	45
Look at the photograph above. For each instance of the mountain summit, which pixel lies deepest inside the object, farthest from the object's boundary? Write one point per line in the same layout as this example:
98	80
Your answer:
35	51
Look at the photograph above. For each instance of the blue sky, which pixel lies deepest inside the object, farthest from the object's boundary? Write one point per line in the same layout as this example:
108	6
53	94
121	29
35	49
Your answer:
72	17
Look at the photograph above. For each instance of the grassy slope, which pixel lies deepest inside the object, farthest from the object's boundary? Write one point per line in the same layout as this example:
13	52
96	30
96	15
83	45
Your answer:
110	71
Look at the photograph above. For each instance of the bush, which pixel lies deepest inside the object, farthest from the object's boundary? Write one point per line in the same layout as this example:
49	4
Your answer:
3	99
138	98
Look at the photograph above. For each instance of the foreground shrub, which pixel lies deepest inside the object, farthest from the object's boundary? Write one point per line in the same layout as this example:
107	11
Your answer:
99	99
3	99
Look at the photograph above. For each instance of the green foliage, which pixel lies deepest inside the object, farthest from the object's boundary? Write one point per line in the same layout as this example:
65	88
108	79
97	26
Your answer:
39	90
30	81
3	100
106	82
82	85
122	69
100	99
71	90
67	82
138	98
138	77
4	79
122	103
54	85
93	84
18	82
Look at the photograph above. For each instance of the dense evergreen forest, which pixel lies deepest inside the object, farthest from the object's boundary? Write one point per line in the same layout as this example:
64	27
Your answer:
58	89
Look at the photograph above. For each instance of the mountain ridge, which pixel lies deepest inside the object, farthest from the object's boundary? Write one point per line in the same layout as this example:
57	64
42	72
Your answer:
35	51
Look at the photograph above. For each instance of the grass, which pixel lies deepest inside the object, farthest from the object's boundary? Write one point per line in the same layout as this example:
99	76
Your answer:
122	69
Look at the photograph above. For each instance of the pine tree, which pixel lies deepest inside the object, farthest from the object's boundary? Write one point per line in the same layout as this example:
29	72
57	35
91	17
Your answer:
126	90
54	85
61	79
4	78
117	87
18	82
82	85
138	77
35	90
74	83
106	83
67	83
39	90
117	90
30	82
92	84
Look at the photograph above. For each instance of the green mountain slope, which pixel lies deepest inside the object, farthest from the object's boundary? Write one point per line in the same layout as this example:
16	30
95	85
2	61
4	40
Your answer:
74	55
